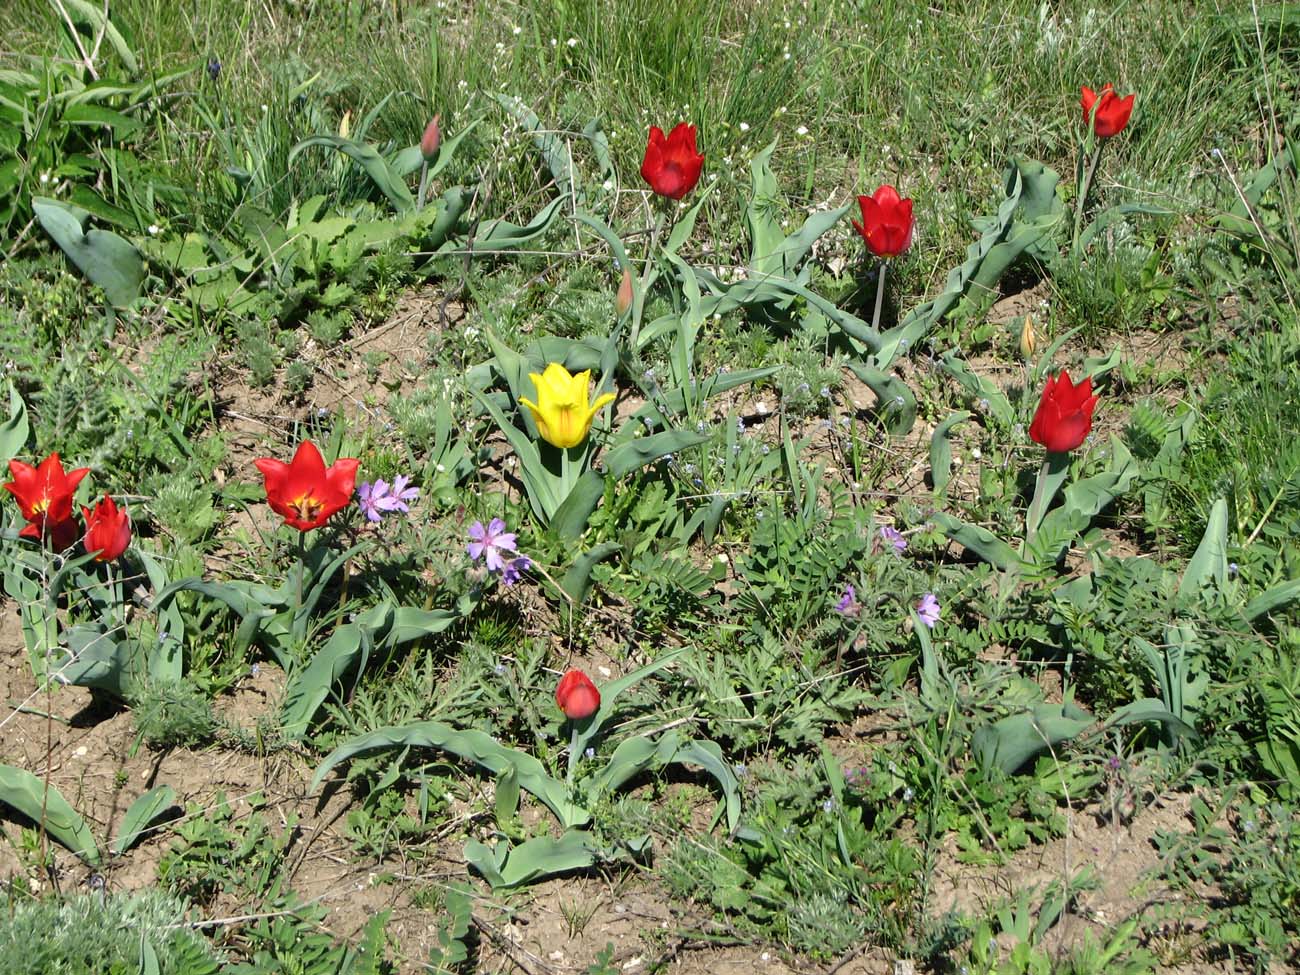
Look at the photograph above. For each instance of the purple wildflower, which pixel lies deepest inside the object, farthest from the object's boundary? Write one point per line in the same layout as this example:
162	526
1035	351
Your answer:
928	610
368	499
892	536
378	499
848	604
514	569
488	543
400	496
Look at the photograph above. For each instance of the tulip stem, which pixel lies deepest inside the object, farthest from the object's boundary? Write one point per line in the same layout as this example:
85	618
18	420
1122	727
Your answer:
1056	465
114	594
424	184
880	296
302	571
573	753
566	474
647	278
1085	184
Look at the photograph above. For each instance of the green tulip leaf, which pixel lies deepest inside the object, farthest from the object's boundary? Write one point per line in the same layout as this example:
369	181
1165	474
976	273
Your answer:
105	258
369	159
512	866
472	746
15	430
1209	563
1008	744
981	541
41	802
577	582
941	451
308	688
897	403
143	814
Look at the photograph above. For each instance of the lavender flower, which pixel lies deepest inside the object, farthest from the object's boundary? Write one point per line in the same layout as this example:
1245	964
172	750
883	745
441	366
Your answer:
400	496
848	604
928	610
892	536
376	500
514	569
368	498
488	543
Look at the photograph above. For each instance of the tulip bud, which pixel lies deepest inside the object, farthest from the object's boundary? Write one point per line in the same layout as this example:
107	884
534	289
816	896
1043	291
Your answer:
624	300
577	696
345	125
1028	338
430	140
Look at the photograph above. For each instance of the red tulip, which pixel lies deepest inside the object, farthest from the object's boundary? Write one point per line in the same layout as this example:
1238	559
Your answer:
44	497
1112	111
305	493
577	696
108	530
431	139
1064	416
671	165
887	222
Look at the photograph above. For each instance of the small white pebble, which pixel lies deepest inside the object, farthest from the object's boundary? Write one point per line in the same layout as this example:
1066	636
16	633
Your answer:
604	671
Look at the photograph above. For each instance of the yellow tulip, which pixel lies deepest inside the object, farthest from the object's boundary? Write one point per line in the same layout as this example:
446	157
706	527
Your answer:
563	410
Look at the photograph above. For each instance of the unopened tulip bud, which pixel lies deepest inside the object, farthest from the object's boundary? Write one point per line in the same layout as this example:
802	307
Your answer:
624	300
1028	338
430	140
345	125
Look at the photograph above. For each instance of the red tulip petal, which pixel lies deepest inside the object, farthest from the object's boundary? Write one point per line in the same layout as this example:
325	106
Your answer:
306	472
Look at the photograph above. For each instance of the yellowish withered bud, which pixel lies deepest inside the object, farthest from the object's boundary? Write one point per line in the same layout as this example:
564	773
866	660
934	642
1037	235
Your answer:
624	300
1028	338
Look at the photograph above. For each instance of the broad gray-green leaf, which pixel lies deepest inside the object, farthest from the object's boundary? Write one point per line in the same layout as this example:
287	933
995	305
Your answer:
1149	709
310	686
103	257
144	812
577	581
1272	599
570	518
501	235
553	150
982	542
542	856
470	745
1011	742
941	451
15	430
897	404
635	454
31	797
369	159
1210	561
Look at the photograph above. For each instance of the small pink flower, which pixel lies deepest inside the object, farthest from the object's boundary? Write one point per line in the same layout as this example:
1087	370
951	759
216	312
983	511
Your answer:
928	610
488	543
